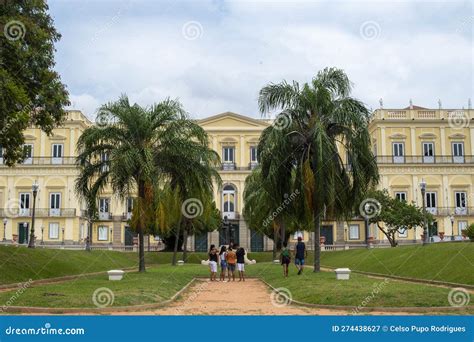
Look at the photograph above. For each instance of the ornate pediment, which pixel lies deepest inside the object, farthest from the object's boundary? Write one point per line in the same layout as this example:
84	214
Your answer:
57	137
398	136
427	136
457	136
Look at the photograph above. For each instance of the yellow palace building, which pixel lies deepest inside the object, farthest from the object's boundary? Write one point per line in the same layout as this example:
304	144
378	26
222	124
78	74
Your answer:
410	144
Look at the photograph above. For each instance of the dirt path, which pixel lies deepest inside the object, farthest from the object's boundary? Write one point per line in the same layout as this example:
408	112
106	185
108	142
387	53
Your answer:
251	297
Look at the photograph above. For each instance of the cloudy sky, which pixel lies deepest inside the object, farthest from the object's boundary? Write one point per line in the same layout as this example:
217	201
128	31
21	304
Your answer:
215	55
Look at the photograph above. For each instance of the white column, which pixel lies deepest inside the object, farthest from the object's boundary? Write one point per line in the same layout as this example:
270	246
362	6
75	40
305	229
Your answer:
72	142
413	141
443	141
472	141
242	149
214	144
383	142
415	190
446	192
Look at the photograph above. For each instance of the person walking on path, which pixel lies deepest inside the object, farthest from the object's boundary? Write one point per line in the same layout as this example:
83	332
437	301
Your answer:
231	258
240	262
223	262
213	258
285	259
300	254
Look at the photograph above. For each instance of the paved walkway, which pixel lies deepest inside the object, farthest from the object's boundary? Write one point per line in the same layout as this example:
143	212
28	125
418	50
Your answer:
251	297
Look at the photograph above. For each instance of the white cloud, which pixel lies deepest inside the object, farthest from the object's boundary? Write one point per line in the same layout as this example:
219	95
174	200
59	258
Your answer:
140	50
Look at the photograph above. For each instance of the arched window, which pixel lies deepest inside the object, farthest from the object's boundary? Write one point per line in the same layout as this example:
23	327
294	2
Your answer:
228	201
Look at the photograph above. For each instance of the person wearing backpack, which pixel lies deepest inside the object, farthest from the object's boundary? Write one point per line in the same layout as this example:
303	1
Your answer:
285	259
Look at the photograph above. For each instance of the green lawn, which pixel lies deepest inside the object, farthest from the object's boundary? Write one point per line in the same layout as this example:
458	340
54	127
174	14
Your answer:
162	282
19	264
154	286
323	288
450	262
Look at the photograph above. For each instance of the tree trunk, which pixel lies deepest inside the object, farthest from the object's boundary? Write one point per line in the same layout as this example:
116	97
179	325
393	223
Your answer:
317	246
89	235
176	242
141	246
283	233
275	241
185	244
390	238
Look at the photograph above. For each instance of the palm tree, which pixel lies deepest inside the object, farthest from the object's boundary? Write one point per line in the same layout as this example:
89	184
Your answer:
124	149
191	168
316	121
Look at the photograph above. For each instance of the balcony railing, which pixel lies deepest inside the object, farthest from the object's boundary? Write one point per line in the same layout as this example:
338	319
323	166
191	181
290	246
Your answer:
447	211
425	159
234	167
39	212
45	161
424	114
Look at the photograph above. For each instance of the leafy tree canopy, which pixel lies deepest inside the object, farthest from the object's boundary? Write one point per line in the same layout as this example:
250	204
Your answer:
31	92
394	216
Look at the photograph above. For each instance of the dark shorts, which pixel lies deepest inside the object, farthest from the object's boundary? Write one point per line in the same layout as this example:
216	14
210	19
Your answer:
285	261
223	264
299	261
231	267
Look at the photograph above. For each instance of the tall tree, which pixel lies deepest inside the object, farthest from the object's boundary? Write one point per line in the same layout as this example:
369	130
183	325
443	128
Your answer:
316	121
31	91
191	168
393	216
126	149
267	213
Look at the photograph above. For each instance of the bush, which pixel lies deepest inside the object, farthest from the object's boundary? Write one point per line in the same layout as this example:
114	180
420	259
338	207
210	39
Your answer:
469	232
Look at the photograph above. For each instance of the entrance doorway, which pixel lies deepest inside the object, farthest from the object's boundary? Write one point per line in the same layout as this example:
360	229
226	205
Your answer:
327	232
23	230
200	242
256	241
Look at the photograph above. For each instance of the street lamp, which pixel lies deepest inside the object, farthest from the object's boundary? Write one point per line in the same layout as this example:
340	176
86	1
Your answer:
452	226
425	228
42	235
5	221
34	188
366	217
63	236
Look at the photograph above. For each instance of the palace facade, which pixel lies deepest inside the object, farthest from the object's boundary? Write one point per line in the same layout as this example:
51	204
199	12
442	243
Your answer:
411	145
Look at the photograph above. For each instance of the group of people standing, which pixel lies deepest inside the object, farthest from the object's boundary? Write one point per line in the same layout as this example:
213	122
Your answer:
227	258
